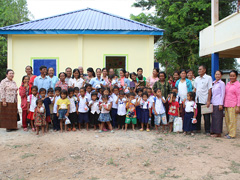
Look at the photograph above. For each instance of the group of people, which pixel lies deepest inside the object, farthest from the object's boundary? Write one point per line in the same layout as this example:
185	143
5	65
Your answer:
102	99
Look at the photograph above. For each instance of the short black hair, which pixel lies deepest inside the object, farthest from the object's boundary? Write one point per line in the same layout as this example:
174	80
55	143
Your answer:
174	94
189	70
192	95
105	97
62	73
58	89
123	70
39	100
139	90
70	90
174	88
64	91
204	67
234	71
155	90
94	94
8	70
145	93
183	70
42	67
132	94
41	90
76	89
163	74
219	71
115	87
50	90
83	88
34	87
104	69
29	67
138	69
121	92
176	72
88	85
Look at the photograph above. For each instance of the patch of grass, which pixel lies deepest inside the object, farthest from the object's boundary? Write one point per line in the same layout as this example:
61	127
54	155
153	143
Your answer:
235	167
205	147
146	163
94	178
155	151
16	146
26	155
142	147
80	172
151	172
28	145
128	155
208	177
60	159
159	139
111	162
218	140
163	175
175	176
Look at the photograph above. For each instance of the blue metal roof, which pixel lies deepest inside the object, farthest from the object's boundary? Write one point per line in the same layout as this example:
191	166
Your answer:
85	21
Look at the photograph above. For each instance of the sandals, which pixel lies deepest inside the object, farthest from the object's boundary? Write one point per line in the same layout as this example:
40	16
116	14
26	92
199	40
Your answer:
74	129
228	137
33	130
148	130
192	134
25	129
141	129
69	129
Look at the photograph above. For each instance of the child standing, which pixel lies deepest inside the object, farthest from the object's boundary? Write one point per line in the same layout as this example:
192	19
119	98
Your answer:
145	106
47	101
121	111
114	106
95	111
40	116
105	107
83	109
56	122
189	123
131	116
32	98
63	106
23	92
173	110
138	110
159	110
73	109
88	91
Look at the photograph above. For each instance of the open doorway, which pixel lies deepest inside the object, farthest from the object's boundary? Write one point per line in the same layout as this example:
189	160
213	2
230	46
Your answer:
116	62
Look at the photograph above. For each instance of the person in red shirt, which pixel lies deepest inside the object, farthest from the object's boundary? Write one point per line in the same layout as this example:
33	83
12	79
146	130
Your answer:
173	110
176	76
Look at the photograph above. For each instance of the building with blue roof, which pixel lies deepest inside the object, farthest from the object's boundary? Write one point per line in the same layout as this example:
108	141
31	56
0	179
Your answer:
87	37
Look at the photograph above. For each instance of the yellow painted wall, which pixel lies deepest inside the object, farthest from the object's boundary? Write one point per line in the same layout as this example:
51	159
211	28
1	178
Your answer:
76	50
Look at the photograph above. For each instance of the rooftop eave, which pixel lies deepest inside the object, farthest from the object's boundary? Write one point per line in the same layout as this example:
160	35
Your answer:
109	32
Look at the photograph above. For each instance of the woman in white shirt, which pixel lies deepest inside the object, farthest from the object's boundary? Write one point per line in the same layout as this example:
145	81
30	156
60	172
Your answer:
75	81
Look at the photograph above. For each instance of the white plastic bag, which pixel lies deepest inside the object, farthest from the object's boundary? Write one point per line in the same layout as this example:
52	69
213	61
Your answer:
67	121
178	125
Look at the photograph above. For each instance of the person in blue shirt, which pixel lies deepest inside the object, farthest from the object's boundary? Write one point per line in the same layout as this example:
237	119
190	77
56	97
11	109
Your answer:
42	81
53	78
97	80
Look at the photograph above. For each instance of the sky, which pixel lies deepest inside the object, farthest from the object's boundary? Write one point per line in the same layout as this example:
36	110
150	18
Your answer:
46	8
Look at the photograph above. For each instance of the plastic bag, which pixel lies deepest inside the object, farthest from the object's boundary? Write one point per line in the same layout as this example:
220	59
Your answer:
67	121
178	125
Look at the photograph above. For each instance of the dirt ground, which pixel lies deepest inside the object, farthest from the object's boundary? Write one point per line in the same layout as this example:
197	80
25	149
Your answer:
120	155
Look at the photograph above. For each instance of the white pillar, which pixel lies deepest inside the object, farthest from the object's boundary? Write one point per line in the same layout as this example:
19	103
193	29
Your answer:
215	11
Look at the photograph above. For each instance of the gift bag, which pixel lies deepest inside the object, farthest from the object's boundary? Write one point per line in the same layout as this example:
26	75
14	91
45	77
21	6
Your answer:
178	125
67	121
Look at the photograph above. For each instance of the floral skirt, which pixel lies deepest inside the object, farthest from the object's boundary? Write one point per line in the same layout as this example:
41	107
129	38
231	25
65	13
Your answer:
104	117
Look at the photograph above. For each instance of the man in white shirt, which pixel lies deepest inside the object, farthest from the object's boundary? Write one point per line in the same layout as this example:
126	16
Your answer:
203	89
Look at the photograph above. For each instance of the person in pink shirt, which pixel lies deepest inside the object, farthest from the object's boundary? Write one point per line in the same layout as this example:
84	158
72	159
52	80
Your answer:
24	92
232	104
154	78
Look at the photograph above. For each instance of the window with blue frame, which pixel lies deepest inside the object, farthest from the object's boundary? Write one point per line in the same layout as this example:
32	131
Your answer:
48	62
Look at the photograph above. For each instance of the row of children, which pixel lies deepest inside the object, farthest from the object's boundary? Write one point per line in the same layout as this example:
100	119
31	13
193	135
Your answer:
112	107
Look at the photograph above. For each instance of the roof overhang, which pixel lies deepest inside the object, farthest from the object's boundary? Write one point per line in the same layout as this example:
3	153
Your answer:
114	32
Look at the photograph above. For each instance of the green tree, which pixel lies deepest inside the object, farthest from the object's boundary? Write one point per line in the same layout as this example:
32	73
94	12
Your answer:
11	12
182	22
